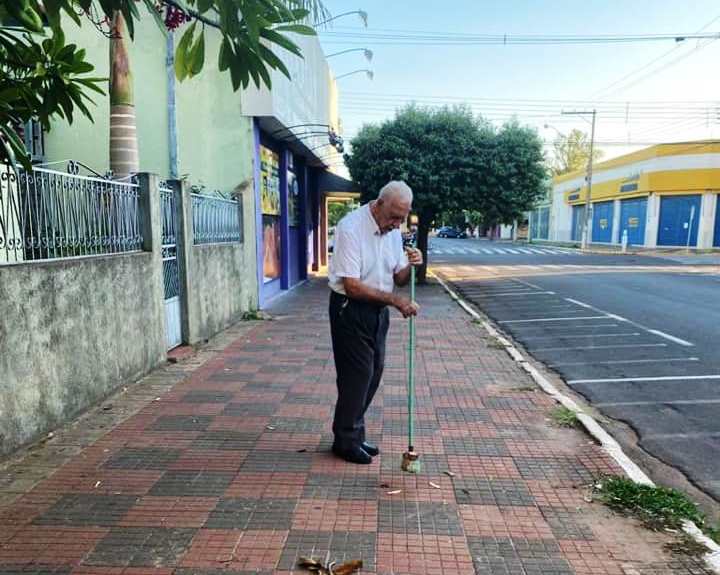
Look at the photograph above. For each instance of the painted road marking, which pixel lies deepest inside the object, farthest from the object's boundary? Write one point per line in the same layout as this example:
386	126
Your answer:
591	326
524	293
625	361
656	332
696	435
539	319
660	378
659	402
601	347
634	333
671	337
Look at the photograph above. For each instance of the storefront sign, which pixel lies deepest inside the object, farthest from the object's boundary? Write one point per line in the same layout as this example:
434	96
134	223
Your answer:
293	199
573	197
269	182
633	222
632	187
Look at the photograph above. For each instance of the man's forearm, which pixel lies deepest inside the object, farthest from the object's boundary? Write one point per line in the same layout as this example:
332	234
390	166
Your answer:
356	289
402	277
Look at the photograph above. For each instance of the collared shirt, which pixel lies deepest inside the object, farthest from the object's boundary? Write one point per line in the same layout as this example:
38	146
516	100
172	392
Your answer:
363	252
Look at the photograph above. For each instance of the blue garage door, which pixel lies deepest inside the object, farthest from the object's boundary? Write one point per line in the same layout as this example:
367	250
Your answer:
675	225
716	240
578	214
633	214
602	222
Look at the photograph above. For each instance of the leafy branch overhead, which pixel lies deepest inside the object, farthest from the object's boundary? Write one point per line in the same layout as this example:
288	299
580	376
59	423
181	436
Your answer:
42	76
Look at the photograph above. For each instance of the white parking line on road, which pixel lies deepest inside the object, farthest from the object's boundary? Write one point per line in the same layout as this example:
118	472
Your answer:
695	435
656	332
539	319
671	337
511	293
512	251
621	345
523	282
659	402
564	327
525	251
625	361
660	378
635	333
576	302
487	251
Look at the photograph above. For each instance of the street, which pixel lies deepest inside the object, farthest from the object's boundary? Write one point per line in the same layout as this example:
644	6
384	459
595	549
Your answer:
635	335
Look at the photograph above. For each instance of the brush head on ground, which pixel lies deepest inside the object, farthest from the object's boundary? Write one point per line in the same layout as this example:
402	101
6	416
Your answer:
410	462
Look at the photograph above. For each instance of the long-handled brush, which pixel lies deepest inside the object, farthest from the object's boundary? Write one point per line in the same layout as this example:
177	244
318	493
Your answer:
411	459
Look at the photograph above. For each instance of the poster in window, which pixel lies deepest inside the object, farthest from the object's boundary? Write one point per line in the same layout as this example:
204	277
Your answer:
271	248
293	199
269	182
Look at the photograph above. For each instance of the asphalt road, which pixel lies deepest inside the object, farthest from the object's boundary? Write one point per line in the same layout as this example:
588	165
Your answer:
637	336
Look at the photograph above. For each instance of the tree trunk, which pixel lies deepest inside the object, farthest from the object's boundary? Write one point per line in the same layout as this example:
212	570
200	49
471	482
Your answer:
123	133
422	244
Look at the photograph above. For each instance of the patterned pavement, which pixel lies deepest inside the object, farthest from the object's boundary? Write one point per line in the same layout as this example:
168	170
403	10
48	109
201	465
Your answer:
221	465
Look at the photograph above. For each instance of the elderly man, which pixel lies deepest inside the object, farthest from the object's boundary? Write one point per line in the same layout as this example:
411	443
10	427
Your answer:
368	261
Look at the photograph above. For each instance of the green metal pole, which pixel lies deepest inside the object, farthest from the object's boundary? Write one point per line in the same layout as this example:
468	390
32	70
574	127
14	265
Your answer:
411	367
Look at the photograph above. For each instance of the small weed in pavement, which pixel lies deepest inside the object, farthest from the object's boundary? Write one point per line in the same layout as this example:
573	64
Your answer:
658	507
495	343
564	417
255	315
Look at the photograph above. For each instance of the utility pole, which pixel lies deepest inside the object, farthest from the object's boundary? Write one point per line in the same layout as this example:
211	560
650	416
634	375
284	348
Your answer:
587	223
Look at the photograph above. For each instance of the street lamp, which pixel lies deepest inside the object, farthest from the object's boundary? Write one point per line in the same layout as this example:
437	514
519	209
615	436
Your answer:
369	73
366	52
363	16
587	224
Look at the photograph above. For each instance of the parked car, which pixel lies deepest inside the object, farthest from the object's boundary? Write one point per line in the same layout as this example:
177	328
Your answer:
449	232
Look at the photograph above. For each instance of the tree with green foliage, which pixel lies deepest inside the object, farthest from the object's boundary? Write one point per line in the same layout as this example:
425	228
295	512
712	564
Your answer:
338	210
42	76
453	161
571	152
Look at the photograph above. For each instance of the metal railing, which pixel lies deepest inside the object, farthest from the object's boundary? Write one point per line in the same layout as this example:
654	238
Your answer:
216	220
45	214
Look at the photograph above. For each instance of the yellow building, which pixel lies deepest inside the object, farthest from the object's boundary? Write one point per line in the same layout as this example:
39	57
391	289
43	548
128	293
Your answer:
665	195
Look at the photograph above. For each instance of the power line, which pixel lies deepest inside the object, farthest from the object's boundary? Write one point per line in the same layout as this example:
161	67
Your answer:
406	37
657	59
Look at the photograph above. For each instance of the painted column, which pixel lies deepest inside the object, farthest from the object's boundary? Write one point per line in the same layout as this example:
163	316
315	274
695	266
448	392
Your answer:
616	222
284	222
315	197
706	228
304	216
259	251
653	220
323	231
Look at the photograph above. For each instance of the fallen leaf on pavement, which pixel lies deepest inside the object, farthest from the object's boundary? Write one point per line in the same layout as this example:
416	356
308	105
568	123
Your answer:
312	565
449	473
347	568
435	485
385	485
395	492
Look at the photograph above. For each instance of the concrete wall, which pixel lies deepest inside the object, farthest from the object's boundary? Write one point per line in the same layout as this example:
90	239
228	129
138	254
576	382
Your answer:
219	282
72	331
219	291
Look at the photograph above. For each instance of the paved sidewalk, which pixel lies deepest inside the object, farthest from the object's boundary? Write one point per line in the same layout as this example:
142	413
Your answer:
222	465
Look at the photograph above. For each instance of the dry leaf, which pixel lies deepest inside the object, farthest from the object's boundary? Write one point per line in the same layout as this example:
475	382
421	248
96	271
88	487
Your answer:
385	485
449	473
312	565
395	492
348	568
270	427
435	485
303	450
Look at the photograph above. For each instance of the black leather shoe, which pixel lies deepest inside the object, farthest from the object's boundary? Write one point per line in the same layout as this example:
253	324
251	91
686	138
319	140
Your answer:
370	448
355	454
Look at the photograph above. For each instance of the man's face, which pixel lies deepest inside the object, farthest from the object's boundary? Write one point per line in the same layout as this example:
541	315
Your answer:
392	213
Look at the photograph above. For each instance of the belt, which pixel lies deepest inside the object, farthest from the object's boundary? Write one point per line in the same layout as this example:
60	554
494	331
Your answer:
346	300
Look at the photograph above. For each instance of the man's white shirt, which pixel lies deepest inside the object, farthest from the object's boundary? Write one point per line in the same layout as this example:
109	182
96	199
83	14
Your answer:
362	252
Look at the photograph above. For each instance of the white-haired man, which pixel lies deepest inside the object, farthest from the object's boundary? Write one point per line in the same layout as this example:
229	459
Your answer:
368	261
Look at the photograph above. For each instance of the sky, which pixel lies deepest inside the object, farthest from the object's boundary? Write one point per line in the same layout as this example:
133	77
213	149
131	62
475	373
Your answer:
644	92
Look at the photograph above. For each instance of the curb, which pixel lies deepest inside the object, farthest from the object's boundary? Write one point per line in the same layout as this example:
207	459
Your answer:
607	442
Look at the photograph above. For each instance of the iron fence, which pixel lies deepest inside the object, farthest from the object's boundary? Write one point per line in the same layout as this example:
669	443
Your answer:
46	214
216	220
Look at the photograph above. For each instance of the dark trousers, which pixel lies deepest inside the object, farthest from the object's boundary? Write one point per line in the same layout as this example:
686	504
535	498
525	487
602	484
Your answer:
359	331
